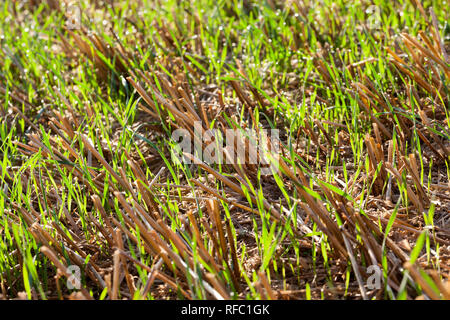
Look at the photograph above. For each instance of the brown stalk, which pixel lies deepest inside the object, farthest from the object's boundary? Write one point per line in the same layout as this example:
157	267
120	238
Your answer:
145	96
441	286
327	136
391	244
315	138
324	229
368	110
187	103
64	125
234	257
429	144
165	249
418	277
67	238
373	248
142	228
104	163
137	262
416	77
105	234
427	124
214	214
266	285
415	200
64	120
213	238
437	36
403	225
46	238
148	249
179	244
422	11
415	175
97	203
355	268
146	218
241	94
128	277
216	194
203	113
373	161
145	187
67	214
259	287
230	184
25	118
52	256
217	285
116	270
152	276
363	91
181	265
425	51
91	268
202	251
172	284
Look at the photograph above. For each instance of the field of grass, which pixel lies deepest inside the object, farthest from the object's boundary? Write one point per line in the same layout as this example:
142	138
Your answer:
97	202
